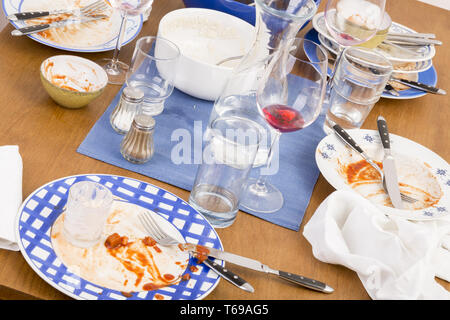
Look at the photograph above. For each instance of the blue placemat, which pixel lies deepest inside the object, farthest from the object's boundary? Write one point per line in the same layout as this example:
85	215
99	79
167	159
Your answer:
182	115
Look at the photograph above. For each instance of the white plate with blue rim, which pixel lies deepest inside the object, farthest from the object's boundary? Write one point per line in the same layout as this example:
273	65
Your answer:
422	174
96	36
428	76
40	210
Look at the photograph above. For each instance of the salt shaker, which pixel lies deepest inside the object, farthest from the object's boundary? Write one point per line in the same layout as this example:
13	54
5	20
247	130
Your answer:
137	146
127	108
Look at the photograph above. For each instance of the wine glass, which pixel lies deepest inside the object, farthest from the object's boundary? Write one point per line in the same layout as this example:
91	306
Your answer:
289	97
352	22
115	69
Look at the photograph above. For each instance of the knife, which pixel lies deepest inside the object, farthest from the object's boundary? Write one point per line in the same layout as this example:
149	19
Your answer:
228	275
258	266
58	24
390	173
419	86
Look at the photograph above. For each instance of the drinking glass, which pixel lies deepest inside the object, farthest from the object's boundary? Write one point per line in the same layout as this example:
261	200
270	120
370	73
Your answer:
352	22
289	97
88	207
228	155
115	69
358	84
153	70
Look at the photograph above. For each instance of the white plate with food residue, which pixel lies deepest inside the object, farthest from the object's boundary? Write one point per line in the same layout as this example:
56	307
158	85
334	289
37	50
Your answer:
125	264
422	174
96	36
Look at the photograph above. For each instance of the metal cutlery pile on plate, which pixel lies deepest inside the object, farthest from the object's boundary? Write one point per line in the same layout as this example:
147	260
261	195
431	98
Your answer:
410	53
89	13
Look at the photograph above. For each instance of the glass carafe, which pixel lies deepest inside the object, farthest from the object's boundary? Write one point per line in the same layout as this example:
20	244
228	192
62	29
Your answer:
277	21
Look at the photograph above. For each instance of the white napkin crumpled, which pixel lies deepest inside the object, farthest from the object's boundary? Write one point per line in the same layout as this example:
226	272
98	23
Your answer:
395	258
10	194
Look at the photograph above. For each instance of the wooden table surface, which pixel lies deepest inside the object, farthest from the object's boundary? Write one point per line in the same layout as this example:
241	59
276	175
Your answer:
49	135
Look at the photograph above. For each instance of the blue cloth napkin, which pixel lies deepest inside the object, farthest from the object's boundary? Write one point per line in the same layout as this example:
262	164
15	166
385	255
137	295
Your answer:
297	173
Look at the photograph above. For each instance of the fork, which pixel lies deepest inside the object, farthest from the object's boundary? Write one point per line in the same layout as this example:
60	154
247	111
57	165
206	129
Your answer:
155	231
95	7
344	136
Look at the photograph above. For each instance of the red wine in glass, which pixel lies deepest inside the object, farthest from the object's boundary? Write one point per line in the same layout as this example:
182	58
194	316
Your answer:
283	118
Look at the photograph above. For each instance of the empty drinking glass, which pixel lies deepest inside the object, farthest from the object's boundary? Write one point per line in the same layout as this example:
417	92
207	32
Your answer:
359	81
228	156
88	207
153	70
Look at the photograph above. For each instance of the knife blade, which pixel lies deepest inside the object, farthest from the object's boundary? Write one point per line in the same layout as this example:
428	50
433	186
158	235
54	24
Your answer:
58	24
420	86
229	276
258	266
390	172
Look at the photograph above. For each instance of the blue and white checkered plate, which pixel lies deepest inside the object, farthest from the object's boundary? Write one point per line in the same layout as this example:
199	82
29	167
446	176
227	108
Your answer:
40	210
422	174
96	37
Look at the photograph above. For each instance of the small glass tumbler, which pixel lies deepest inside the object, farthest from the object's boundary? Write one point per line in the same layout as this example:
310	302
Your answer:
153	70
228	156
359	81
88	207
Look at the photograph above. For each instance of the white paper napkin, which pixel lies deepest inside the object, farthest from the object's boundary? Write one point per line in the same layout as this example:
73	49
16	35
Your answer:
394	258
10	194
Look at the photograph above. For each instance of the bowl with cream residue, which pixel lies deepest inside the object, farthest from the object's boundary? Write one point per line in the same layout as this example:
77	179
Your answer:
71	81
205	37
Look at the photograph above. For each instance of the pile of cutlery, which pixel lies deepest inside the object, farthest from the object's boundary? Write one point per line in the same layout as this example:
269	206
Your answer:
85	14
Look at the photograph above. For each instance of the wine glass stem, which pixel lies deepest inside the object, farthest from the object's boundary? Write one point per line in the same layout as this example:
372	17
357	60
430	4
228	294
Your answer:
336	64
123	25
260	184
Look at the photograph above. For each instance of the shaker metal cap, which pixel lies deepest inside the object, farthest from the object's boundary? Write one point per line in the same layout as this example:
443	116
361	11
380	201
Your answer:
144	122
133	94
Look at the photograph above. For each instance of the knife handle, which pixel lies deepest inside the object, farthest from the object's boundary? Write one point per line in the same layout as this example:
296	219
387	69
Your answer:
384	133
420	86
228	275
28	15
347	138
30	29
306	282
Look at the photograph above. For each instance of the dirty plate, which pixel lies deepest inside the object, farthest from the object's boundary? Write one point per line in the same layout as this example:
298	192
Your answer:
422	174
41	209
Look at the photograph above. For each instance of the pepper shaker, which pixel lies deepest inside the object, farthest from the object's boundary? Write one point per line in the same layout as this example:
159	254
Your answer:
137	146
122	116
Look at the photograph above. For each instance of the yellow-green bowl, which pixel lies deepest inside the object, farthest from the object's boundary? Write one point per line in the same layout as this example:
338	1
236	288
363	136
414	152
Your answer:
82	70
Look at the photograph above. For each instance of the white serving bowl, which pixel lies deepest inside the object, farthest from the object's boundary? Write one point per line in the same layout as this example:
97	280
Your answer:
205	37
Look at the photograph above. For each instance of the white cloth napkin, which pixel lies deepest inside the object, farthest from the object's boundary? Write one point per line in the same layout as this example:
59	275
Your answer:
10	194
394	258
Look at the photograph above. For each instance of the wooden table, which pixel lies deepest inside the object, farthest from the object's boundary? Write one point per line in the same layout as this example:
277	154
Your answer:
49	135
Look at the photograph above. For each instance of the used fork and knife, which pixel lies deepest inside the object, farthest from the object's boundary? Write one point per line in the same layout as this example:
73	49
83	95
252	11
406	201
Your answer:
388	175
85	14
154	230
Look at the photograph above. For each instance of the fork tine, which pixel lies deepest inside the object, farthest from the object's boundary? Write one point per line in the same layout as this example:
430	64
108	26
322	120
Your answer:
155	225
97	8
91	5
149	227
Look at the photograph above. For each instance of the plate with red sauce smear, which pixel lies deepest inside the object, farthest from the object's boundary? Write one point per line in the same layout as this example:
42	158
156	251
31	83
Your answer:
422	174
126	264
95	36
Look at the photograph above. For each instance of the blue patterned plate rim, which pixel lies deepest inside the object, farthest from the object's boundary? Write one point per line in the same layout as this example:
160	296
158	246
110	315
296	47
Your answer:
428	76
130	33
331	147
33	237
